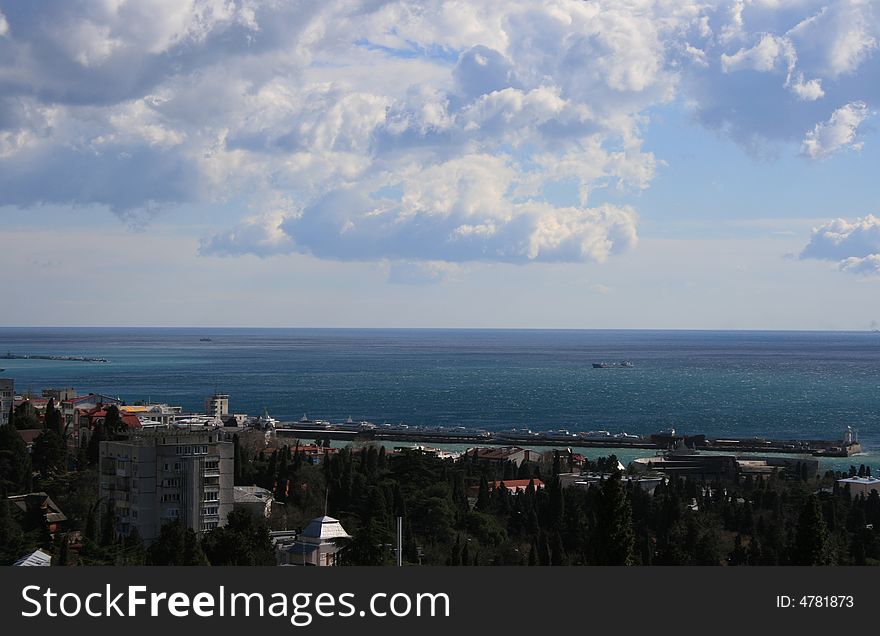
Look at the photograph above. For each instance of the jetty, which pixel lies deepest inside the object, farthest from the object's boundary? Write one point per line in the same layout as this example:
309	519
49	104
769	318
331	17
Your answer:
664	440
60	358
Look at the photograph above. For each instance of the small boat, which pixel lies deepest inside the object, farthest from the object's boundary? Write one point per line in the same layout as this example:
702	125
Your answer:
204	340
623	364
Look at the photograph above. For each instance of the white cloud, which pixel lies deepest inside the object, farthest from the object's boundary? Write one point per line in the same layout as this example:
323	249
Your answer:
855	245
867	265
400	130
827	138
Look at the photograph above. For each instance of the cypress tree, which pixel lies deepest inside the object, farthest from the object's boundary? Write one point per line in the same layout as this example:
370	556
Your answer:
614	532
482	504
812	541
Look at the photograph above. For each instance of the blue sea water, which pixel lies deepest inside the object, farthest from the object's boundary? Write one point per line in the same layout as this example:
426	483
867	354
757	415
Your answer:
722	383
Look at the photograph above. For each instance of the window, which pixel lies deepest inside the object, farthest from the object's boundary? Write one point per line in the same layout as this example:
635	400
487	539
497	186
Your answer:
212	495
211	510
171	482
207	526
212	464
166	467
171	496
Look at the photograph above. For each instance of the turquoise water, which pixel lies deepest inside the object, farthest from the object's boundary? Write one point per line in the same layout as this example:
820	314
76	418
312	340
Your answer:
775	384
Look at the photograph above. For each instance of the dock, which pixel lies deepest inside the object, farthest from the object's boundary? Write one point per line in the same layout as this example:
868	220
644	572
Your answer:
59	358
845	447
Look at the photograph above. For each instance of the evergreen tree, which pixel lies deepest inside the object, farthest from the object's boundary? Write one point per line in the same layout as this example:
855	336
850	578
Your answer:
11	535
614	532
15	462
482	504
812	542
49	454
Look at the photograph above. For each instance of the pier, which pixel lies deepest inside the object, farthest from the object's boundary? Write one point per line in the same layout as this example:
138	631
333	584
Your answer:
14	356
363	432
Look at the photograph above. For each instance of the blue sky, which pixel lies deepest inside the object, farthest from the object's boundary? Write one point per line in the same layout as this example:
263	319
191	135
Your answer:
389	164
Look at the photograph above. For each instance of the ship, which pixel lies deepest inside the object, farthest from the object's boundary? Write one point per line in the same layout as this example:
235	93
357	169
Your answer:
204	340
623	364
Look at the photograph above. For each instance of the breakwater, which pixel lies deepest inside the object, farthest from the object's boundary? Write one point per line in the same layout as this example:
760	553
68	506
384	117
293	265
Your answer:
659	441
60	358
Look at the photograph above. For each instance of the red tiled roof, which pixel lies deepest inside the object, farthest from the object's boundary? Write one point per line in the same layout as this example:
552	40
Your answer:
131	421
516	484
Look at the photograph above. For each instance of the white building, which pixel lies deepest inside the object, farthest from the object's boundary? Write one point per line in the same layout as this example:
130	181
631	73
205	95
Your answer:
217	405
317	545
860	485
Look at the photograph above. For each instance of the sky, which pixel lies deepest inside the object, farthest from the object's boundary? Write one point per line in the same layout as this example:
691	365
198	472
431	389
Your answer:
523	164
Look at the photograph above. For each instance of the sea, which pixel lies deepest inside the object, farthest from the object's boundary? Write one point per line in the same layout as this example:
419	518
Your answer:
773	384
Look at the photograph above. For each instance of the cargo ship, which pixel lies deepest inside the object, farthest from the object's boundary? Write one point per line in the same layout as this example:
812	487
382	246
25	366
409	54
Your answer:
623	364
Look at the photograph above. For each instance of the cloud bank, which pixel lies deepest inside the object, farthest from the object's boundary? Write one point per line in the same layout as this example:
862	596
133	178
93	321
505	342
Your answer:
854	245
390	130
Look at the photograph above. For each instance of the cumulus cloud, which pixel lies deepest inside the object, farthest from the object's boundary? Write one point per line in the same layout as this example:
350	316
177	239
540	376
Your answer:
837	133
855	245
418	132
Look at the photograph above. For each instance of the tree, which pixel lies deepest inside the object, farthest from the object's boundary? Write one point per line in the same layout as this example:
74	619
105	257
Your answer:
49	453
25	416
53	419
11	535
244	540
113	423
176	545
812	542
614	532
15	462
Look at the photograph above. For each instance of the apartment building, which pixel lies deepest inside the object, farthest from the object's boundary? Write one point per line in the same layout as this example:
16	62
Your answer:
156	476
7	395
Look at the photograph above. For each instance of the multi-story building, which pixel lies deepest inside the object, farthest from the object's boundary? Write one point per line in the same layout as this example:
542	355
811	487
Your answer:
217	405
156	476
7	395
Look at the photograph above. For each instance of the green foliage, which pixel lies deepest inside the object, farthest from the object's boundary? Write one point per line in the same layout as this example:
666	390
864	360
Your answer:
244	540
15	462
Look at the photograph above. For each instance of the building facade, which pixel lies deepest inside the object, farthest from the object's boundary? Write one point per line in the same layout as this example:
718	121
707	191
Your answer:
158	476
7	395
217	405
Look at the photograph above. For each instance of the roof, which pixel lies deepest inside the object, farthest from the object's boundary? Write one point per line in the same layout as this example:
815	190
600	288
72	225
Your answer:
29	434
501	453
251	494
860	480
41	500
516	484
325	528
36	558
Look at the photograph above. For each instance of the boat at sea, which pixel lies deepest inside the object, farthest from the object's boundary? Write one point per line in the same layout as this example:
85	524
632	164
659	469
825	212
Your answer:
623	364
204	340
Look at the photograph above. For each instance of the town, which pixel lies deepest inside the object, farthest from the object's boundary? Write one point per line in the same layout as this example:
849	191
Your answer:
89	479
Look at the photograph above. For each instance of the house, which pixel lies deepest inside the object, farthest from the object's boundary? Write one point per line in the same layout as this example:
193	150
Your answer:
860	485
37	558
258	501
317	545
517	485
501	454
41	503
